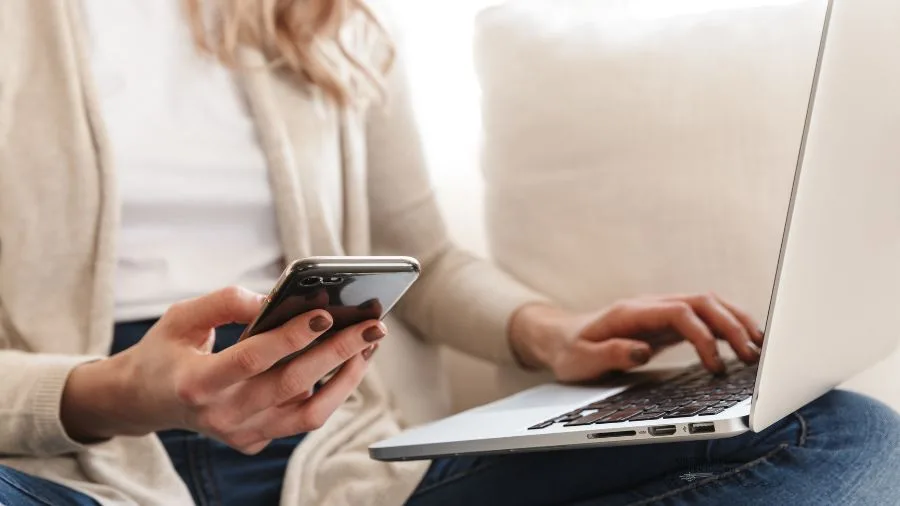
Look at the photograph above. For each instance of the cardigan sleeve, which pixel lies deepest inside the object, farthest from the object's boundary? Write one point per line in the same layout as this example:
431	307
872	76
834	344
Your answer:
459	300
31	387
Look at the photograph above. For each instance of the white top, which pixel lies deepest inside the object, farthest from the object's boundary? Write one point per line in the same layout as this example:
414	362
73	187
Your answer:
197	209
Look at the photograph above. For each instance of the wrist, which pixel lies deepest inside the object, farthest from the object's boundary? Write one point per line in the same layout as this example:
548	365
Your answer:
537	334
96	402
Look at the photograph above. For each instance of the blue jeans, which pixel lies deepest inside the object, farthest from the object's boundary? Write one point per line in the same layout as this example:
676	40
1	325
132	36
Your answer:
840	449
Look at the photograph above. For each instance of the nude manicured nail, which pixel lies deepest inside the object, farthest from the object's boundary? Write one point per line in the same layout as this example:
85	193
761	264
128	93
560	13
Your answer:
373	333
319	324
368	352
640	356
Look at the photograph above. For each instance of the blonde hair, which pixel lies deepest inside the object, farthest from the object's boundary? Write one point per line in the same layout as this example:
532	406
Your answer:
305	37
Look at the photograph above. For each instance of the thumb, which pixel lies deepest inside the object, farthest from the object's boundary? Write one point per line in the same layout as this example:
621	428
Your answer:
228	305
619	354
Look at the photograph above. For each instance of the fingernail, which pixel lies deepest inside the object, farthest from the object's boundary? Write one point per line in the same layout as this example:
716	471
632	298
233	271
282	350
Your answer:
368	352
720	366
319	324
311	296
373	333
755	350
367	304
640	355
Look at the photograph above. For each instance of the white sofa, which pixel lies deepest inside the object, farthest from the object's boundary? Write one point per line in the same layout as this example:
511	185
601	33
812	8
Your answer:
635	146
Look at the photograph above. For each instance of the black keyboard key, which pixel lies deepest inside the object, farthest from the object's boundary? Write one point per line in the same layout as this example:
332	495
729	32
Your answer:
621	416
711	411
647	415
605	403
589	419
568	417
542	425
667	406
678	413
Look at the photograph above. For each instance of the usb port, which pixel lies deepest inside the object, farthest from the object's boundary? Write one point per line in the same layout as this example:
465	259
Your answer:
662	430
702	428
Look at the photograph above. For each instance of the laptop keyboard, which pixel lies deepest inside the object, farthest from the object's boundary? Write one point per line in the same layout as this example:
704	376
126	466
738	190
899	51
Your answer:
694	392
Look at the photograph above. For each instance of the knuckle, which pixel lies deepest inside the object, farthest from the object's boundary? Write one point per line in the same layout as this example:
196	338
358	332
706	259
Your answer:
189	393
296	337
734	329
236	441
343	349
682	310
228	419
247	442
211	422
231	297
291	383
250	450
248	361
176	310
620	307
232	292
312	419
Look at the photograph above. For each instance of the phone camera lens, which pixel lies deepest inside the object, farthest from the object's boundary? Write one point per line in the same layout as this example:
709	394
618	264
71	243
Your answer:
311	281
334	280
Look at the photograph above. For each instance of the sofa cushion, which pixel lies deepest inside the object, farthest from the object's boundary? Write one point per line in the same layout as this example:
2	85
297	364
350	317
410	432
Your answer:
640	146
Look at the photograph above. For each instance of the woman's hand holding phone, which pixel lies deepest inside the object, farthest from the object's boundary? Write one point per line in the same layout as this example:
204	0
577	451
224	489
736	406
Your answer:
241	396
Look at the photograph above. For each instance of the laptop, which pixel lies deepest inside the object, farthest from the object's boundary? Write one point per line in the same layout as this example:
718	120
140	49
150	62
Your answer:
835	305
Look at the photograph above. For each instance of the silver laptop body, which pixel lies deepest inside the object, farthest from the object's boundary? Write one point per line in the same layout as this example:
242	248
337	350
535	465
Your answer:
835	307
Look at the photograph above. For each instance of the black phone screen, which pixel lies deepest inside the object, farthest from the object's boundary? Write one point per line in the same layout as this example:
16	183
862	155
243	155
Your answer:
350	298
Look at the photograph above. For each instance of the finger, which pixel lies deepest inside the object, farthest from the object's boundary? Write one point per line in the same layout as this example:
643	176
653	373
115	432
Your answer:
369	352
310	415
351	315
681	317
660	340
753	328
256	355
294	304
726	325
302	396
228	305
617	354
638	317
337	349
279	385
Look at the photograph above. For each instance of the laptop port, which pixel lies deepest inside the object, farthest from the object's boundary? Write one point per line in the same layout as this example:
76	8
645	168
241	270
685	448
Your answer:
662	430
607	435
702	428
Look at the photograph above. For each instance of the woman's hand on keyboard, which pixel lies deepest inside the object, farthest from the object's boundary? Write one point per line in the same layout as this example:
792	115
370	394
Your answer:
580	347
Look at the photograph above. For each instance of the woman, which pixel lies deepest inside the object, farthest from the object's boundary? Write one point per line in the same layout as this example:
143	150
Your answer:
137	174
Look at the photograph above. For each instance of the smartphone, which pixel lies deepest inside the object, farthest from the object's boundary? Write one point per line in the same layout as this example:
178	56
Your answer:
351	289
